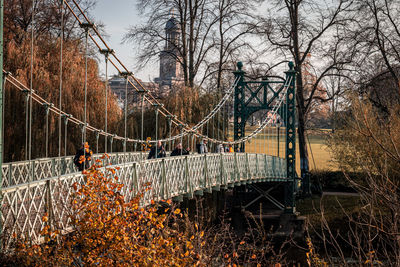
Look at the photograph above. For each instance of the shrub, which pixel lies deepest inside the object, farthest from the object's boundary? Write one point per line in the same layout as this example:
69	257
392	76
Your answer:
109	231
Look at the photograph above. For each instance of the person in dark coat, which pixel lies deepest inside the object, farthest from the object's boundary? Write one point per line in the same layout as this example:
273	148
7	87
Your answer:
160	151
179	151
83	157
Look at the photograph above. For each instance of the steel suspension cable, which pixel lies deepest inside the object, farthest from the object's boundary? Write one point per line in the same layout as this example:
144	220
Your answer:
151	99
106	105
163	111
65	133
156	143
133	119
37	98
259	141
223	121
218	122
61	79
125	112
2	115
46	106
142	116
27	123
86	27
264	144
31	83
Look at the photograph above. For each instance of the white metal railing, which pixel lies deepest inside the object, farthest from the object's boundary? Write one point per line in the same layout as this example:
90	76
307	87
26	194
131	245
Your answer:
21	172
23	205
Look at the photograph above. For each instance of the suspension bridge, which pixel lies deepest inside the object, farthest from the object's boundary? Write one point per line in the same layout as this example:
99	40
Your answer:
38	186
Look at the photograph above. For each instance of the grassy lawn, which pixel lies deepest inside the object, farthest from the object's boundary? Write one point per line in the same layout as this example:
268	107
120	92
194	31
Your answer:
320	154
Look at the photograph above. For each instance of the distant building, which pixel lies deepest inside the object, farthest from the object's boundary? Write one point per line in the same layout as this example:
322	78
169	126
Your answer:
171	72
117	85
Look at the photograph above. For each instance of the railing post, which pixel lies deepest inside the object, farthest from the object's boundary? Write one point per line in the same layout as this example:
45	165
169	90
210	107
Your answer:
169	120
164	192
274	167
97	141
257	168
247	166
135	183
265	166
66	118
32	177
112	140
221	173
47	111
9	179
48	205
53	167
207	183
189	187
237	174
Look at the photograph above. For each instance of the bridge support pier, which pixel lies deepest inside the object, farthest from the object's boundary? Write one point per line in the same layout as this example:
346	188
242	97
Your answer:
267	202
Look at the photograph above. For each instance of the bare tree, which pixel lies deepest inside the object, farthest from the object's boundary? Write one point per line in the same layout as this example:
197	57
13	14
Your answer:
206	28
235	22
376	35
298	29
47	16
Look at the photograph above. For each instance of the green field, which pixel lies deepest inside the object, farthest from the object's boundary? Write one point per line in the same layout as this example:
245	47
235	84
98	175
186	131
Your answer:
320	154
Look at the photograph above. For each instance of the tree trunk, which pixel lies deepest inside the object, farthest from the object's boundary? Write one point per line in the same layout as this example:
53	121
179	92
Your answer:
183	18
192	18
301	112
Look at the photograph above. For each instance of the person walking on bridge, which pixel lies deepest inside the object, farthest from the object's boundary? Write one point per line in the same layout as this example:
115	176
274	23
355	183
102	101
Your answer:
159	149
179	151
220	149
202	147
83	157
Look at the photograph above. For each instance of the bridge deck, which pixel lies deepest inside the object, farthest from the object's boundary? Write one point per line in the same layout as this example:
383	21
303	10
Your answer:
24	203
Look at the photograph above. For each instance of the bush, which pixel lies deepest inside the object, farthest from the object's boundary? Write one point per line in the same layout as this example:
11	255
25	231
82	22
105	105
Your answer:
368	143
108	231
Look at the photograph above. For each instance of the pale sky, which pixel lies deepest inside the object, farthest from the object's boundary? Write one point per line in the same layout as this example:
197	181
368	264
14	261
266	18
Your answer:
117	16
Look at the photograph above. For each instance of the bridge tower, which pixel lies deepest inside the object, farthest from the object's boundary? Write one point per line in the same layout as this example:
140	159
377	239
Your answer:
253	96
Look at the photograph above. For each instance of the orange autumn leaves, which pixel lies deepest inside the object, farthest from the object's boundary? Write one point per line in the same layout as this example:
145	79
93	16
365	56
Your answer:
109	231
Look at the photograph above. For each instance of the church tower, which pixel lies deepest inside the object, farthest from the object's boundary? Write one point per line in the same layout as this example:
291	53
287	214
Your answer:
170	69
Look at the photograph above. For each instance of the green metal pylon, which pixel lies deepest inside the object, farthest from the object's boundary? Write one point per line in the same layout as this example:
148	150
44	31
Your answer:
239	126
248	101
290	192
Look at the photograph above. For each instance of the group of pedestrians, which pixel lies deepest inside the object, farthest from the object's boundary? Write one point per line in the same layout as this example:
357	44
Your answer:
224	149
201	147
159	150
83	155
